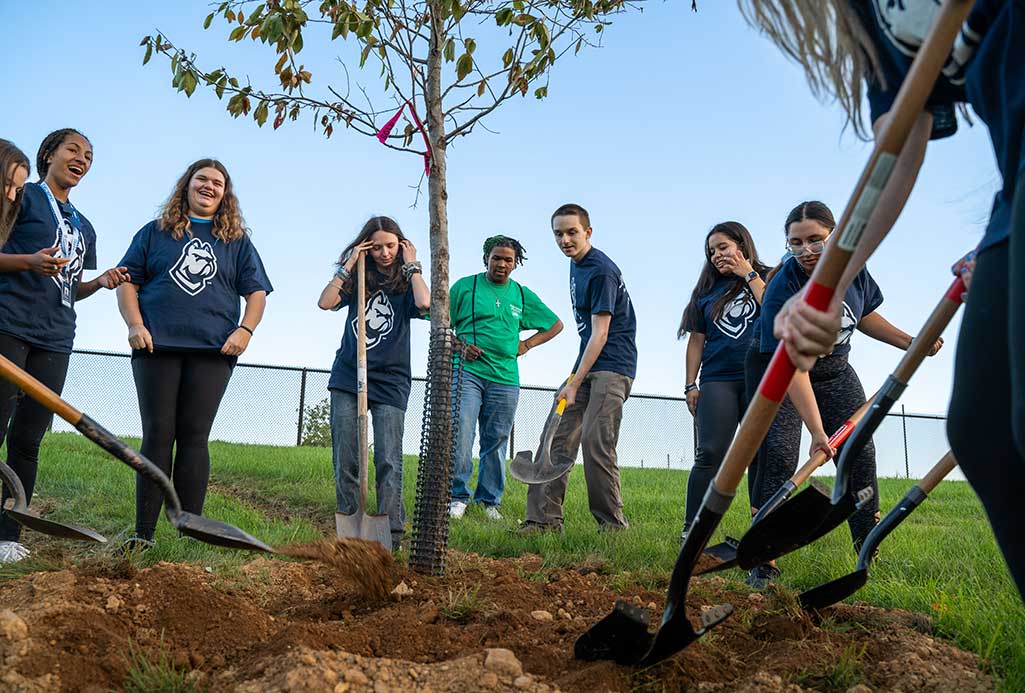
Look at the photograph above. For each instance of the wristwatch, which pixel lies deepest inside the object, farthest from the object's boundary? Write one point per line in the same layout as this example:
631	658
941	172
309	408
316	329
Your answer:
751	276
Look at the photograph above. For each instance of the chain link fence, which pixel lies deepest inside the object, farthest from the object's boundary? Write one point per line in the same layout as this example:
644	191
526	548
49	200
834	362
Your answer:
288	406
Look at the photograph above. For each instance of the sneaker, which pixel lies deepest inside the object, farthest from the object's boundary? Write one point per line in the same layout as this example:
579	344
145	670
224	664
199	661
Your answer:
12	552
491	512
683	534
530	528
135	545
761	575
456	509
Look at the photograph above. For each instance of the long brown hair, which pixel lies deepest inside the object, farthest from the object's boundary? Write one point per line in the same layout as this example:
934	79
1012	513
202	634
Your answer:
388	278
228	222
10	157
828	40
810	210
739	234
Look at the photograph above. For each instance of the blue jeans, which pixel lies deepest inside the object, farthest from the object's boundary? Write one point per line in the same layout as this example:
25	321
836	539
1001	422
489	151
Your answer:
493	405
388	425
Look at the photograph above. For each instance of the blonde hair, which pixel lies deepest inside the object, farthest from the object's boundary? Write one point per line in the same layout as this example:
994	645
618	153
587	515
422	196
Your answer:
828	40
228	222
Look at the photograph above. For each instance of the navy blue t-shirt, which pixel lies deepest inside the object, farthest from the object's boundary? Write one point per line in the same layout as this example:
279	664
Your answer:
985	69
388	372
30	304
596	286
863	297
190	288
728	336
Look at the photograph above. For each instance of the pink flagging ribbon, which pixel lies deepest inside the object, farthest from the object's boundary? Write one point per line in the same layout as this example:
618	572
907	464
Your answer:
384	132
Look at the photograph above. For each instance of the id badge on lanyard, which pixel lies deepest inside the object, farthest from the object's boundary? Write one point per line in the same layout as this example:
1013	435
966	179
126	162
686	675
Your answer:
69	240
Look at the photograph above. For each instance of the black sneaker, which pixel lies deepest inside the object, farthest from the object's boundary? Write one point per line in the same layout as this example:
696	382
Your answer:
761	575
134	546
530	528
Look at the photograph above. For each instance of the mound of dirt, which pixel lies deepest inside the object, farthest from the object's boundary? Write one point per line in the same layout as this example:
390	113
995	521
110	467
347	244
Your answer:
486	625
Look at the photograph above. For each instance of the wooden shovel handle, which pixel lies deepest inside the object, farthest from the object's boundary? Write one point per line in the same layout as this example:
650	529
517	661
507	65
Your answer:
938	473
930	332
909	103
39	392
361	379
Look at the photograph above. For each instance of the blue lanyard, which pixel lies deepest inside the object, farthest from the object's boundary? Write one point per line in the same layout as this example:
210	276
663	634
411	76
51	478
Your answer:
74	236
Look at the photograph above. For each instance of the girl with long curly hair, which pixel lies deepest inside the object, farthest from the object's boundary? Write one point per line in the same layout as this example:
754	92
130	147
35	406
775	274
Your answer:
189	268
41	265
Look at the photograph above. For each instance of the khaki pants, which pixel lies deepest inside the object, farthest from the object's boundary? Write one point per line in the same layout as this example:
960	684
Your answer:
593	423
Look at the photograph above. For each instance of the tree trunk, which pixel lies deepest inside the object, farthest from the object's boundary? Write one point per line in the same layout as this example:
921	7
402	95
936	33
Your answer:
437	191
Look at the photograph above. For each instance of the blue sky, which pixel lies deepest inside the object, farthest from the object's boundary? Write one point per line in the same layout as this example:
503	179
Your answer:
681	120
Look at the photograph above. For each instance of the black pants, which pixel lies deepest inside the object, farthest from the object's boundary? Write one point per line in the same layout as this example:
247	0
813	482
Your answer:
839	393
721	406
986	424
23	421
179	393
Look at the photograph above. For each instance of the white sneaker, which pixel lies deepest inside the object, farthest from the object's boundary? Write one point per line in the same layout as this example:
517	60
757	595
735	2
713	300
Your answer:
456	509
491	512
12	552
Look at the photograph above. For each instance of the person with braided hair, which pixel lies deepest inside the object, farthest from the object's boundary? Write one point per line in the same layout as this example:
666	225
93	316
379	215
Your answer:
41	265
489	311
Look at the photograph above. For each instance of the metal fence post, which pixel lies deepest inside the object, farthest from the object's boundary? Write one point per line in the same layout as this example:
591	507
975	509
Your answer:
904	425
302	409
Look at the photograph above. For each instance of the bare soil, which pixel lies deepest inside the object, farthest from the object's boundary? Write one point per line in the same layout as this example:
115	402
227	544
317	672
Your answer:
506	625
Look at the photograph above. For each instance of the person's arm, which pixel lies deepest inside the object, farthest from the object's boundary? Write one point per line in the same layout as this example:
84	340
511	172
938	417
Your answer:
128	304
600	323
741	267
331	295
42	262
695	348
540	337
808	333
803	398
421	292
111	279
882	330
238	340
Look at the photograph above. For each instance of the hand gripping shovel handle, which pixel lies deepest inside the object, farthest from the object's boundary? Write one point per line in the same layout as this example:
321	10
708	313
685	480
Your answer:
675	632
897	382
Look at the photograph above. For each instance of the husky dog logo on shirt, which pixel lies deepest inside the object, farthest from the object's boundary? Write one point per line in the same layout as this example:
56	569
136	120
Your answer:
196	266
380	319
847	325
737	315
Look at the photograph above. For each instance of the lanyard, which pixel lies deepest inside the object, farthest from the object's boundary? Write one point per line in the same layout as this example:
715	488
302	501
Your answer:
74	236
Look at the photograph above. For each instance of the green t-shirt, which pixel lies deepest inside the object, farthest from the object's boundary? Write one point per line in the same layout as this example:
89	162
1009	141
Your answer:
493	319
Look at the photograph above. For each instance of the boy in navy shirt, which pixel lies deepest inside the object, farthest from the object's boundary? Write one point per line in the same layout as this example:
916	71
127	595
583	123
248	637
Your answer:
603	375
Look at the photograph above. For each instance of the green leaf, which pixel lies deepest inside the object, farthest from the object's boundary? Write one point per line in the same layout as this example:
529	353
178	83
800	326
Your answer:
233	82
297	42
523	20
188	82
208	20
503	16
237	33
450	50
255	15
507	58
145	40
219	89
464	66
260	115
541	92
470	45
149	53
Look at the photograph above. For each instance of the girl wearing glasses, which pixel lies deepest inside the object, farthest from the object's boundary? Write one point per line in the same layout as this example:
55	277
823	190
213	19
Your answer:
720	318
826	396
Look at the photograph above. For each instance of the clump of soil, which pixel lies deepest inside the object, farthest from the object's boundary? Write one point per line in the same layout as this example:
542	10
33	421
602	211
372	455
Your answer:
367	563
486	625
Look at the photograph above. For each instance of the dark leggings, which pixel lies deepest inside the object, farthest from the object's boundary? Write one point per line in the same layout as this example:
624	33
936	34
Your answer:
986	424
23	421
179	393
721	405
838	393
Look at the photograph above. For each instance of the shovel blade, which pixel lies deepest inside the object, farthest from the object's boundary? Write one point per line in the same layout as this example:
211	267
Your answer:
523	468
54	529
785	529
832	592
622	636
216	533
363	526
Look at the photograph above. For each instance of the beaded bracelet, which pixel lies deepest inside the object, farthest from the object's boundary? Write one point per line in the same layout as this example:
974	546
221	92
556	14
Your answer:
411	268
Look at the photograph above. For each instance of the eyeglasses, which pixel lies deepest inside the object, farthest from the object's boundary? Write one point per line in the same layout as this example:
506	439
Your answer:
813	248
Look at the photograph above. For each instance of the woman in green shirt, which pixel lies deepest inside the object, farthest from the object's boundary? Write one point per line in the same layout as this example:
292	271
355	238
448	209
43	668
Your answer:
489	310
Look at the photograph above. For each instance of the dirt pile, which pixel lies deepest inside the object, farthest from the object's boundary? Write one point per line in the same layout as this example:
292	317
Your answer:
366	563
487	625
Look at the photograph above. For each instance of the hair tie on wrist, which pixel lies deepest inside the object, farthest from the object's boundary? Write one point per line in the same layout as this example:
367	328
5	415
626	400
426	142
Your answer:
243	327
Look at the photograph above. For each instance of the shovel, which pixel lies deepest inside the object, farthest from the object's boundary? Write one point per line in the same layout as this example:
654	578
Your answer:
841	588
813	513
190	524
726	551
360	525
525	469
623	635
19	512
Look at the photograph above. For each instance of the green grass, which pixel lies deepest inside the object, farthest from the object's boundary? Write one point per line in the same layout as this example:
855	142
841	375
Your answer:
943	561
